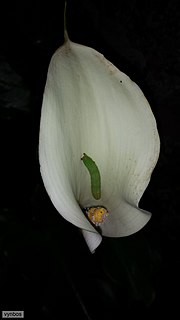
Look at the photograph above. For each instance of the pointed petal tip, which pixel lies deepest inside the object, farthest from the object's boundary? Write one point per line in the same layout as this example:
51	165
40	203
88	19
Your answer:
92	239
66	37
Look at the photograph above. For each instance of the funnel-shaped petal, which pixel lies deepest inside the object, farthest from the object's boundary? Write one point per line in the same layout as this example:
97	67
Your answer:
91	107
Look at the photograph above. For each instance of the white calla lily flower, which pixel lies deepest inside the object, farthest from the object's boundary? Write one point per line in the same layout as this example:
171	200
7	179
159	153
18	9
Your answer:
89	106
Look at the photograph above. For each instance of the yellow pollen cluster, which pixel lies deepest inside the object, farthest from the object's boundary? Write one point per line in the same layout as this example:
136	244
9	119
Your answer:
97	214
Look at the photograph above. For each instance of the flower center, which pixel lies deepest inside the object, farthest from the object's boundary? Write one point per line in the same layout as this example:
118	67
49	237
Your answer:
97	215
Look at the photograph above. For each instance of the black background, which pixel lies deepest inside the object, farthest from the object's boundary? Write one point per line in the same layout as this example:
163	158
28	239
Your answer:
45	266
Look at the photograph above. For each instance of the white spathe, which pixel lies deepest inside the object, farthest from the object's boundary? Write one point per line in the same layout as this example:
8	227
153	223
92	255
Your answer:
91	107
